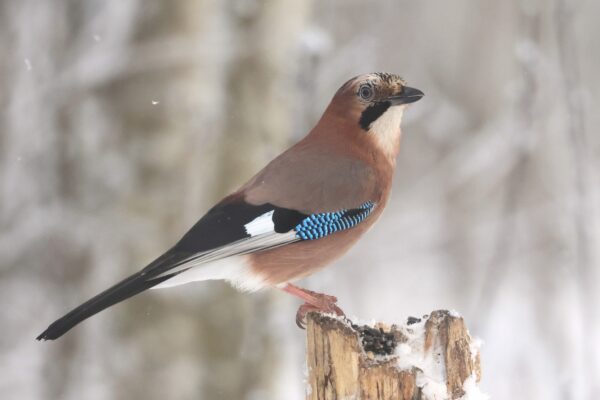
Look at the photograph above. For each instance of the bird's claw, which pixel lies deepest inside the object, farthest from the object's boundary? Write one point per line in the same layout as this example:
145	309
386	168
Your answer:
327	304
313	302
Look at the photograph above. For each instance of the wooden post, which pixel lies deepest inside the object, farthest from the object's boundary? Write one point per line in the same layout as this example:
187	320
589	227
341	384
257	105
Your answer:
429	358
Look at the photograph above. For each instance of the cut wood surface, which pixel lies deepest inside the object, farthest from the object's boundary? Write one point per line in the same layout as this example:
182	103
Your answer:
429	358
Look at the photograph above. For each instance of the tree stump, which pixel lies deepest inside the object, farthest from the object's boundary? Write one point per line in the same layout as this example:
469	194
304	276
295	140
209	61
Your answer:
429	358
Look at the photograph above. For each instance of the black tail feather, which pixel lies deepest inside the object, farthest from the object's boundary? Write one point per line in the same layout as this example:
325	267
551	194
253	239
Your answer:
123	290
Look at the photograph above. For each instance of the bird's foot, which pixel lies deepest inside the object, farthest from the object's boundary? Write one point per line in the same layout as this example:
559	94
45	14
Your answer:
314	301
325	307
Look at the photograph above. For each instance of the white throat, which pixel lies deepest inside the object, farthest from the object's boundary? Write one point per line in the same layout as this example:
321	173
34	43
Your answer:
386	131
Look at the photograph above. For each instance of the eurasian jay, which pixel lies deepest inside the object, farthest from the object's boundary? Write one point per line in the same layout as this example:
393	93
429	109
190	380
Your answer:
305	209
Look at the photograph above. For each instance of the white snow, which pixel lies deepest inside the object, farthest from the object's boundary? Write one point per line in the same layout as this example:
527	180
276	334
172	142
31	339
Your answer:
431	375
308	389
472	391
475	346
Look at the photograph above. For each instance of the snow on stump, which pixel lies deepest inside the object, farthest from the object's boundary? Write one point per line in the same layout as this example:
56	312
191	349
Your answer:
429	358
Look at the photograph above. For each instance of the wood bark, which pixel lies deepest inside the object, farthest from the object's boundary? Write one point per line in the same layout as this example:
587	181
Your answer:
348	361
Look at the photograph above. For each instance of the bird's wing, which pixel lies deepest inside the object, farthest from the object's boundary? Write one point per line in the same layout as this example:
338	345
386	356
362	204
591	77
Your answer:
236	227
232	227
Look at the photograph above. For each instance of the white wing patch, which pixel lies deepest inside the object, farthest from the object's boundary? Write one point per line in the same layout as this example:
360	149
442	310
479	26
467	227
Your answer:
260	225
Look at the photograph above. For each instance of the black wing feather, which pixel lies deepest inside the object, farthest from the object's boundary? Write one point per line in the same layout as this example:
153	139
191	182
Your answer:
224	224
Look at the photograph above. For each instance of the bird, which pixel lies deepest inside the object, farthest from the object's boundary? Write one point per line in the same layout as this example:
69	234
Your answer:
300	213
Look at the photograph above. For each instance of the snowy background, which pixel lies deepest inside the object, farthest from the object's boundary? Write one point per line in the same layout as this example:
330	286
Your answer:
122	121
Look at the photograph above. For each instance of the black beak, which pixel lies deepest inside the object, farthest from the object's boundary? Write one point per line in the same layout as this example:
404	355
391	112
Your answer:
406	96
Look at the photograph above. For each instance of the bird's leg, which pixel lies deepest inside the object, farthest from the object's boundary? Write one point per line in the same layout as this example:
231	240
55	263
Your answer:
313	301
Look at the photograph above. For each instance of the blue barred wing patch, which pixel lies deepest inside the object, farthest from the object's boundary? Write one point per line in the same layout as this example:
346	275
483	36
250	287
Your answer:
319	225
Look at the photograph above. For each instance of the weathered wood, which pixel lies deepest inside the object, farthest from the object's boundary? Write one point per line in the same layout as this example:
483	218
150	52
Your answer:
348	361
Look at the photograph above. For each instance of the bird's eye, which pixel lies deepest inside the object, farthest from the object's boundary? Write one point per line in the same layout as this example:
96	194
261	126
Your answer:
365	92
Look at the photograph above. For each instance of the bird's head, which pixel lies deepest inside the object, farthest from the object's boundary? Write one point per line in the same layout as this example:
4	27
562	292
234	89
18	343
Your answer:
372	106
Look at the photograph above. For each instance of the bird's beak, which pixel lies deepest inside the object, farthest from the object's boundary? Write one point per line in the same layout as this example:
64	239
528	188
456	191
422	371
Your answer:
406	96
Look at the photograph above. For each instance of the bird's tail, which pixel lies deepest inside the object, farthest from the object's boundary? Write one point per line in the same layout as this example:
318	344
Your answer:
123	290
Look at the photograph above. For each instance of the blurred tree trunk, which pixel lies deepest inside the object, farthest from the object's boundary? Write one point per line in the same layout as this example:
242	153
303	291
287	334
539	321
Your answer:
259	99
242	121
